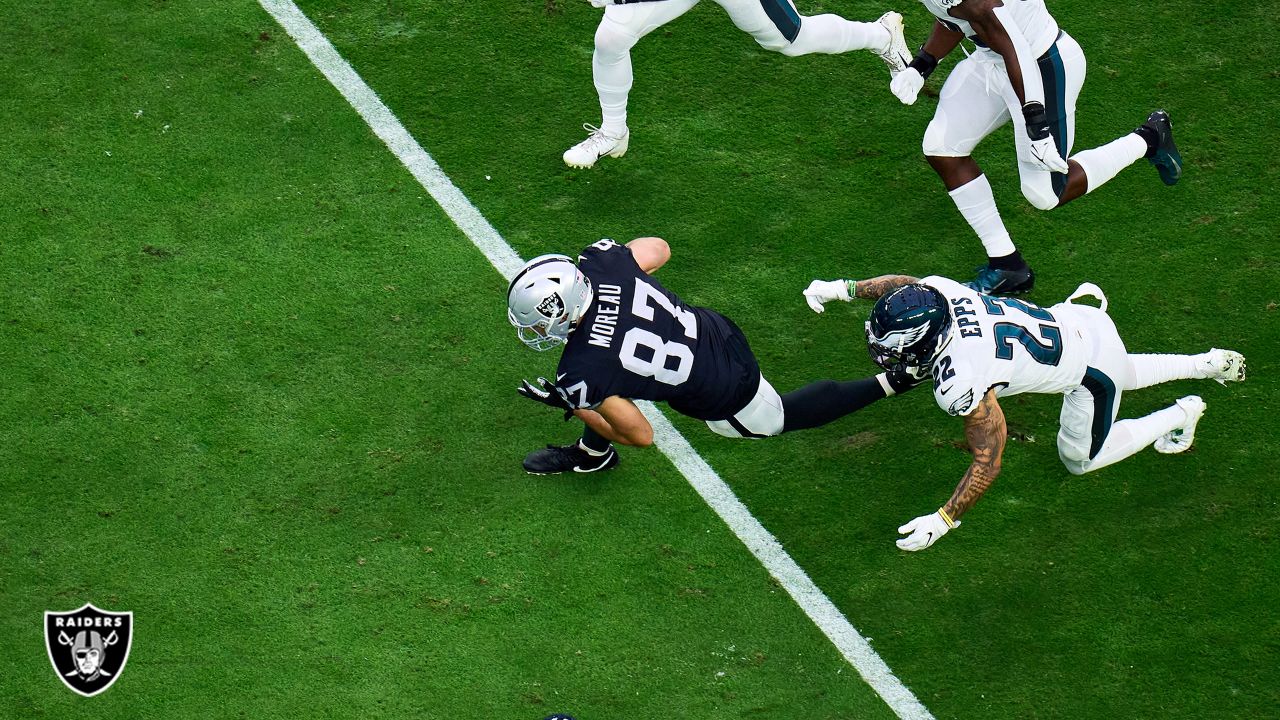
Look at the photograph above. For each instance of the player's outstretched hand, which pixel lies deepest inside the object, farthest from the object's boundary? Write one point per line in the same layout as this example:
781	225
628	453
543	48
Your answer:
924	531
824	291
906	85
546	393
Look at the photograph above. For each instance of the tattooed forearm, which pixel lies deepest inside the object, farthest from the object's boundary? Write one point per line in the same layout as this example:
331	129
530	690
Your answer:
875	287
986	432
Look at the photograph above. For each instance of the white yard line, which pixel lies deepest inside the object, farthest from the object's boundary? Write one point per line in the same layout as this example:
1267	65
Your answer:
700	475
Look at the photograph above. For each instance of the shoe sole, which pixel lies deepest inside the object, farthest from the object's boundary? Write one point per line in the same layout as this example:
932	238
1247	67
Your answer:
1240	369
1168	160
1167	446
897	52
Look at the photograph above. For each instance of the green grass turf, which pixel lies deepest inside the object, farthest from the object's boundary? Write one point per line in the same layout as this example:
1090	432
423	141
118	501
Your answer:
253	375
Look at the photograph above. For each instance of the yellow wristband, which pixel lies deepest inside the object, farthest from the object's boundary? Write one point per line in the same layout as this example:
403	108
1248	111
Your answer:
947	518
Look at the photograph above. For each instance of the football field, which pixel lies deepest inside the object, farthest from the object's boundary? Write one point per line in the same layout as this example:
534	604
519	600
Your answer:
260	386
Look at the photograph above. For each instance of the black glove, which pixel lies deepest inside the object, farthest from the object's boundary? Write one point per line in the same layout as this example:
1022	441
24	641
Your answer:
546	393
1037	120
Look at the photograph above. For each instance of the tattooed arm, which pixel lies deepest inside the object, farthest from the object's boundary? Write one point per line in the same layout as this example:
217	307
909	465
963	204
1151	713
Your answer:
873	288
986	432
820	292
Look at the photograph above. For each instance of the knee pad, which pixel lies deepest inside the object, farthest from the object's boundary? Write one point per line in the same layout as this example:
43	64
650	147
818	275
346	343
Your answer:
613	39
934	143
1040	194
1073	455
1076	468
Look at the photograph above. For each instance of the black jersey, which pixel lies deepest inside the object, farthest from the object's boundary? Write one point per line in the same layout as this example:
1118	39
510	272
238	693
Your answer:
639	341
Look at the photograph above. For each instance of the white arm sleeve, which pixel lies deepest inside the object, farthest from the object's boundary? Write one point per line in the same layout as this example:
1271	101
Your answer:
1032	84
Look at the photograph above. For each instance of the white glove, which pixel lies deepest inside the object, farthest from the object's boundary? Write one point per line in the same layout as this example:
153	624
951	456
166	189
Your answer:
925	531
824	291
1045	154
906	85
600	3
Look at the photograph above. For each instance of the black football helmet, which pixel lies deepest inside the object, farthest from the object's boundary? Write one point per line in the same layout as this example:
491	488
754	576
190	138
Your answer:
908	329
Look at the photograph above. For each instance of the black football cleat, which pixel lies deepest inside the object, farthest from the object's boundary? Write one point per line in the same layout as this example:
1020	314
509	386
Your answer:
1166	157
991	281
554	459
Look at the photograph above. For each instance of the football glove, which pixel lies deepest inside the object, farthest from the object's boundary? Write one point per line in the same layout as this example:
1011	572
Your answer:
824	291
1043	150
546	393
906	85
925	531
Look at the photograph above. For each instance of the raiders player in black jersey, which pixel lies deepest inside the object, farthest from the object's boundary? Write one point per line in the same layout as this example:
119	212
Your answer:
626	337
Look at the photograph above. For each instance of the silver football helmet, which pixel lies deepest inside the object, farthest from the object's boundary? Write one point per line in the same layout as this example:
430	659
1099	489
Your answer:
546	299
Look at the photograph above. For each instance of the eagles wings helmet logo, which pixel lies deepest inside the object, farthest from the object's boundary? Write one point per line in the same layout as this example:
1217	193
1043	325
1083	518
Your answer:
899	339
88	647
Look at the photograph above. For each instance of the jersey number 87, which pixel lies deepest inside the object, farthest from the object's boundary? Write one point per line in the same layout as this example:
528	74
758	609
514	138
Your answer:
660	351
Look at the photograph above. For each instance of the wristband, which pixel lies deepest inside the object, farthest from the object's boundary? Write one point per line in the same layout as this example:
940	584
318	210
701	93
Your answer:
1037	120
946	518
850	290
923	63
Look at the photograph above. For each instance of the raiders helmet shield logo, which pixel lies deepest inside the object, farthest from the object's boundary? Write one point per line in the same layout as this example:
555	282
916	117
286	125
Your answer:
88	647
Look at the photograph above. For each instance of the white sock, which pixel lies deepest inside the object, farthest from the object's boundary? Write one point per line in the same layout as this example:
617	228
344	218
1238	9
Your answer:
977	204
1102	163
1148	370
833	34
611	71
1129	437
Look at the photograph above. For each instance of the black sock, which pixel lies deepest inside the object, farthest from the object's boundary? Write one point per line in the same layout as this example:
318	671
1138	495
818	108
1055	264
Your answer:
1012	261
1150	136
826	400
594	441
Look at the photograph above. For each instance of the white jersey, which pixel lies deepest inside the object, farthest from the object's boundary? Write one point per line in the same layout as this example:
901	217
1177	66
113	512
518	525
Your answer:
1006	344
1031	17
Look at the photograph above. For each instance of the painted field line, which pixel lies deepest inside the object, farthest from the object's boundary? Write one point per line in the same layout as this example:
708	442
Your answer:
700	475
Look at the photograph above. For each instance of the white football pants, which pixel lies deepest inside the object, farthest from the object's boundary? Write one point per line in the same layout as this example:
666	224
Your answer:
978	98
762	417
1089	438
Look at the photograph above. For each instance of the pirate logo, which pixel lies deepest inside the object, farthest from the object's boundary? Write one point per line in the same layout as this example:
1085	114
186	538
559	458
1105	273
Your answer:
88	647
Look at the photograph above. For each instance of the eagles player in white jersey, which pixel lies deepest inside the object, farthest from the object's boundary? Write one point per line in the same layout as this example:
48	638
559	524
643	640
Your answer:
979	348
775	24
1028	70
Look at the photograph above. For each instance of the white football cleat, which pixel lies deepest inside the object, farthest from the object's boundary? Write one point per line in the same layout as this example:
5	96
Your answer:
597	145
895	55
1223	365
1179	439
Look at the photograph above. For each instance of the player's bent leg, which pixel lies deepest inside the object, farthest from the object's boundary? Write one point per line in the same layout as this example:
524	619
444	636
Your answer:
1129	437
762	417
